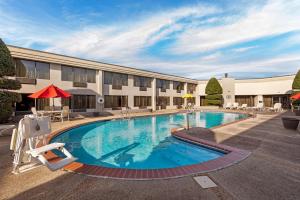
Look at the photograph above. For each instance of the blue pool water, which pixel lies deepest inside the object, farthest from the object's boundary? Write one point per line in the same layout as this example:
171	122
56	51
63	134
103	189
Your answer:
142	142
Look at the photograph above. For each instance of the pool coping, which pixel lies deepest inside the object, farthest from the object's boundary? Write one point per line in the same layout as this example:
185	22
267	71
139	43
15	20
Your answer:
232	156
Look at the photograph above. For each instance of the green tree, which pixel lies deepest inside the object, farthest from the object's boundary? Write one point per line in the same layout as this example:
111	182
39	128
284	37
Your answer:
7	97
213	93
296	82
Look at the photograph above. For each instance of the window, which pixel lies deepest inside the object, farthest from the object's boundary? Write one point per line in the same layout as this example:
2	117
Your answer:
91	75
191	88
116	79
42	70
66	73
142	101
162	84
141	81
178	86
115	102
79	75
83	102
178	101
162	101
191	100
32	70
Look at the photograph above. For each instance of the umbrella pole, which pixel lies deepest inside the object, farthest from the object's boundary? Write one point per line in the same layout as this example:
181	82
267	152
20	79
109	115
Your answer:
52	103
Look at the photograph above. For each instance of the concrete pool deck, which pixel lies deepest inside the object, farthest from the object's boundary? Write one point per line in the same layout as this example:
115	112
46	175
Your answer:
272	171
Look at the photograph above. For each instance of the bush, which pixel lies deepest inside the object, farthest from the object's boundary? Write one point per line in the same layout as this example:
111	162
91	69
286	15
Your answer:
213	92
7	98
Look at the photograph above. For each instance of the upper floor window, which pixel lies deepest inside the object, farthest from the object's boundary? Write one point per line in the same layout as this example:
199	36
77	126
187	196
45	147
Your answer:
91	76
141	81
191	88
77	74
178	86
32	69
163	84
115	79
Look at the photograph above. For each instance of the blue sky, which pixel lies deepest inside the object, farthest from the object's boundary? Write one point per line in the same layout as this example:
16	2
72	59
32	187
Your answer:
196	39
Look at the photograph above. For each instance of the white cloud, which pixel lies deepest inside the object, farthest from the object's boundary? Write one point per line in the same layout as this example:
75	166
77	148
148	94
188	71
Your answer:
244	49
122	41
276	17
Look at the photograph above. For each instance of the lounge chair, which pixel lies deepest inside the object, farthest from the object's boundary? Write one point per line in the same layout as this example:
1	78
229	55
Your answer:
228	106
34	130
235	105
243	107
259	107
33	110
277	107
65	113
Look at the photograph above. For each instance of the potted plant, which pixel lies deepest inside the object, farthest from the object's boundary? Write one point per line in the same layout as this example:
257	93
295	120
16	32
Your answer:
290	122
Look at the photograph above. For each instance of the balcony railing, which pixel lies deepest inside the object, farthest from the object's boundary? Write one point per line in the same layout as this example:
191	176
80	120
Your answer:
79	84
25	80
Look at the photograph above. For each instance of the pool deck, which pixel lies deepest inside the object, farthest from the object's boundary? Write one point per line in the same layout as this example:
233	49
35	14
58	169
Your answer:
272	171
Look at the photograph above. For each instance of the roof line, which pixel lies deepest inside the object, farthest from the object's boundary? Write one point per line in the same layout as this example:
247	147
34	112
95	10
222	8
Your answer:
102	62
138	68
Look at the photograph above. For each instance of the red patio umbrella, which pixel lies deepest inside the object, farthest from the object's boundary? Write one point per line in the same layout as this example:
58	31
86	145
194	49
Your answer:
50	92
295	96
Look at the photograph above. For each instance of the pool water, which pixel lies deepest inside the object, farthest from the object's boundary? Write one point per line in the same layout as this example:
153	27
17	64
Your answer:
142	142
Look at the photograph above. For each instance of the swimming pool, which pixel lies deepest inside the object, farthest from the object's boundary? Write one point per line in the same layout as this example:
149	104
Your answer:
142	142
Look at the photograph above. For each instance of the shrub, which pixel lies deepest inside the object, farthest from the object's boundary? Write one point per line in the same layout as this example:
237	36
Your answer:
213	92
7	98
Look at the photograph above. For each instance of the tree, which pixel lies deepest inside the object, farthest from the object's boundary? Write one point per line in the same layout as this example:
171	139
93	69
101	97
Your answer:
296	82
7	97
213	93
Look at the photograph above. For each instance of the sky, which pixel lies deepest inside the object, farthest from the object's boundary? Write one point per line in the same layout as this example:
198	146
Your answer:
197	39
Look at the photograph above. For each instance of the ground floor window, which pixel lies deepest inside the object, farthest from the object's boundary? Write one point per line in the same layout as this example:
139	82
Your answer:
27	103
202	101
163	102
142	101
191	100
83	102
270	100
178	101
245	99
115	102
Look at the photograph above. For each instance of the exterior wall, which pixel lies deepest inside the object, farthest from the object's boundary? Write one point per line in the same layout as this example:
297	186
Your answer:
228	85
99	88
258	87
231	87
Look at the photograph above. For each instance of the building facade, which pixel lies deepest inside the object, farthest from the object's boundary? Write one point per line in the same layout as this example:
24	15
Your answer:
100	87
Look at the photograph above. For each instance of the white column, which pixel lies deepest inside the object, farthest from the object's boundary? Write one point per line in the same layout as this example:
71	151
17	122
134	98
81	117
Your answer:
185	92
130	95
197	96
153	97
99	82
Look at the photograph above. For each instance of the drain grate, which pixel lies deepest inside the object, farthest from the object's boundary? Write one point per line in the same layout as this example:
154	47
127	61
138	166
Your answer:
205	182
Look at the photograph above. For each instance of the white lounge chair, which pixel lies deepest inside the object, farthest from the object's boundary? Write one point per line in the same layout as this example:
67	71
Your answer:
65	113
228	106
244	106
33	130
276	108
33	110
259	106
235	105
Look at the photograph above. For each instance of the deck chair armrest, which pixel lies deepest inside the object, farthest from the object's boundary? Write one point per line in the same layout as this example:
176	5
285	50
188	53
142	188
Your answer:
40	150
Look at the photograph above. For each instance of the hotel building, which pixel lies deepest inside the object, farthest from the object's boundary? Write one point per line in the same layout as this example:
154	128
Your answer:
102	87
